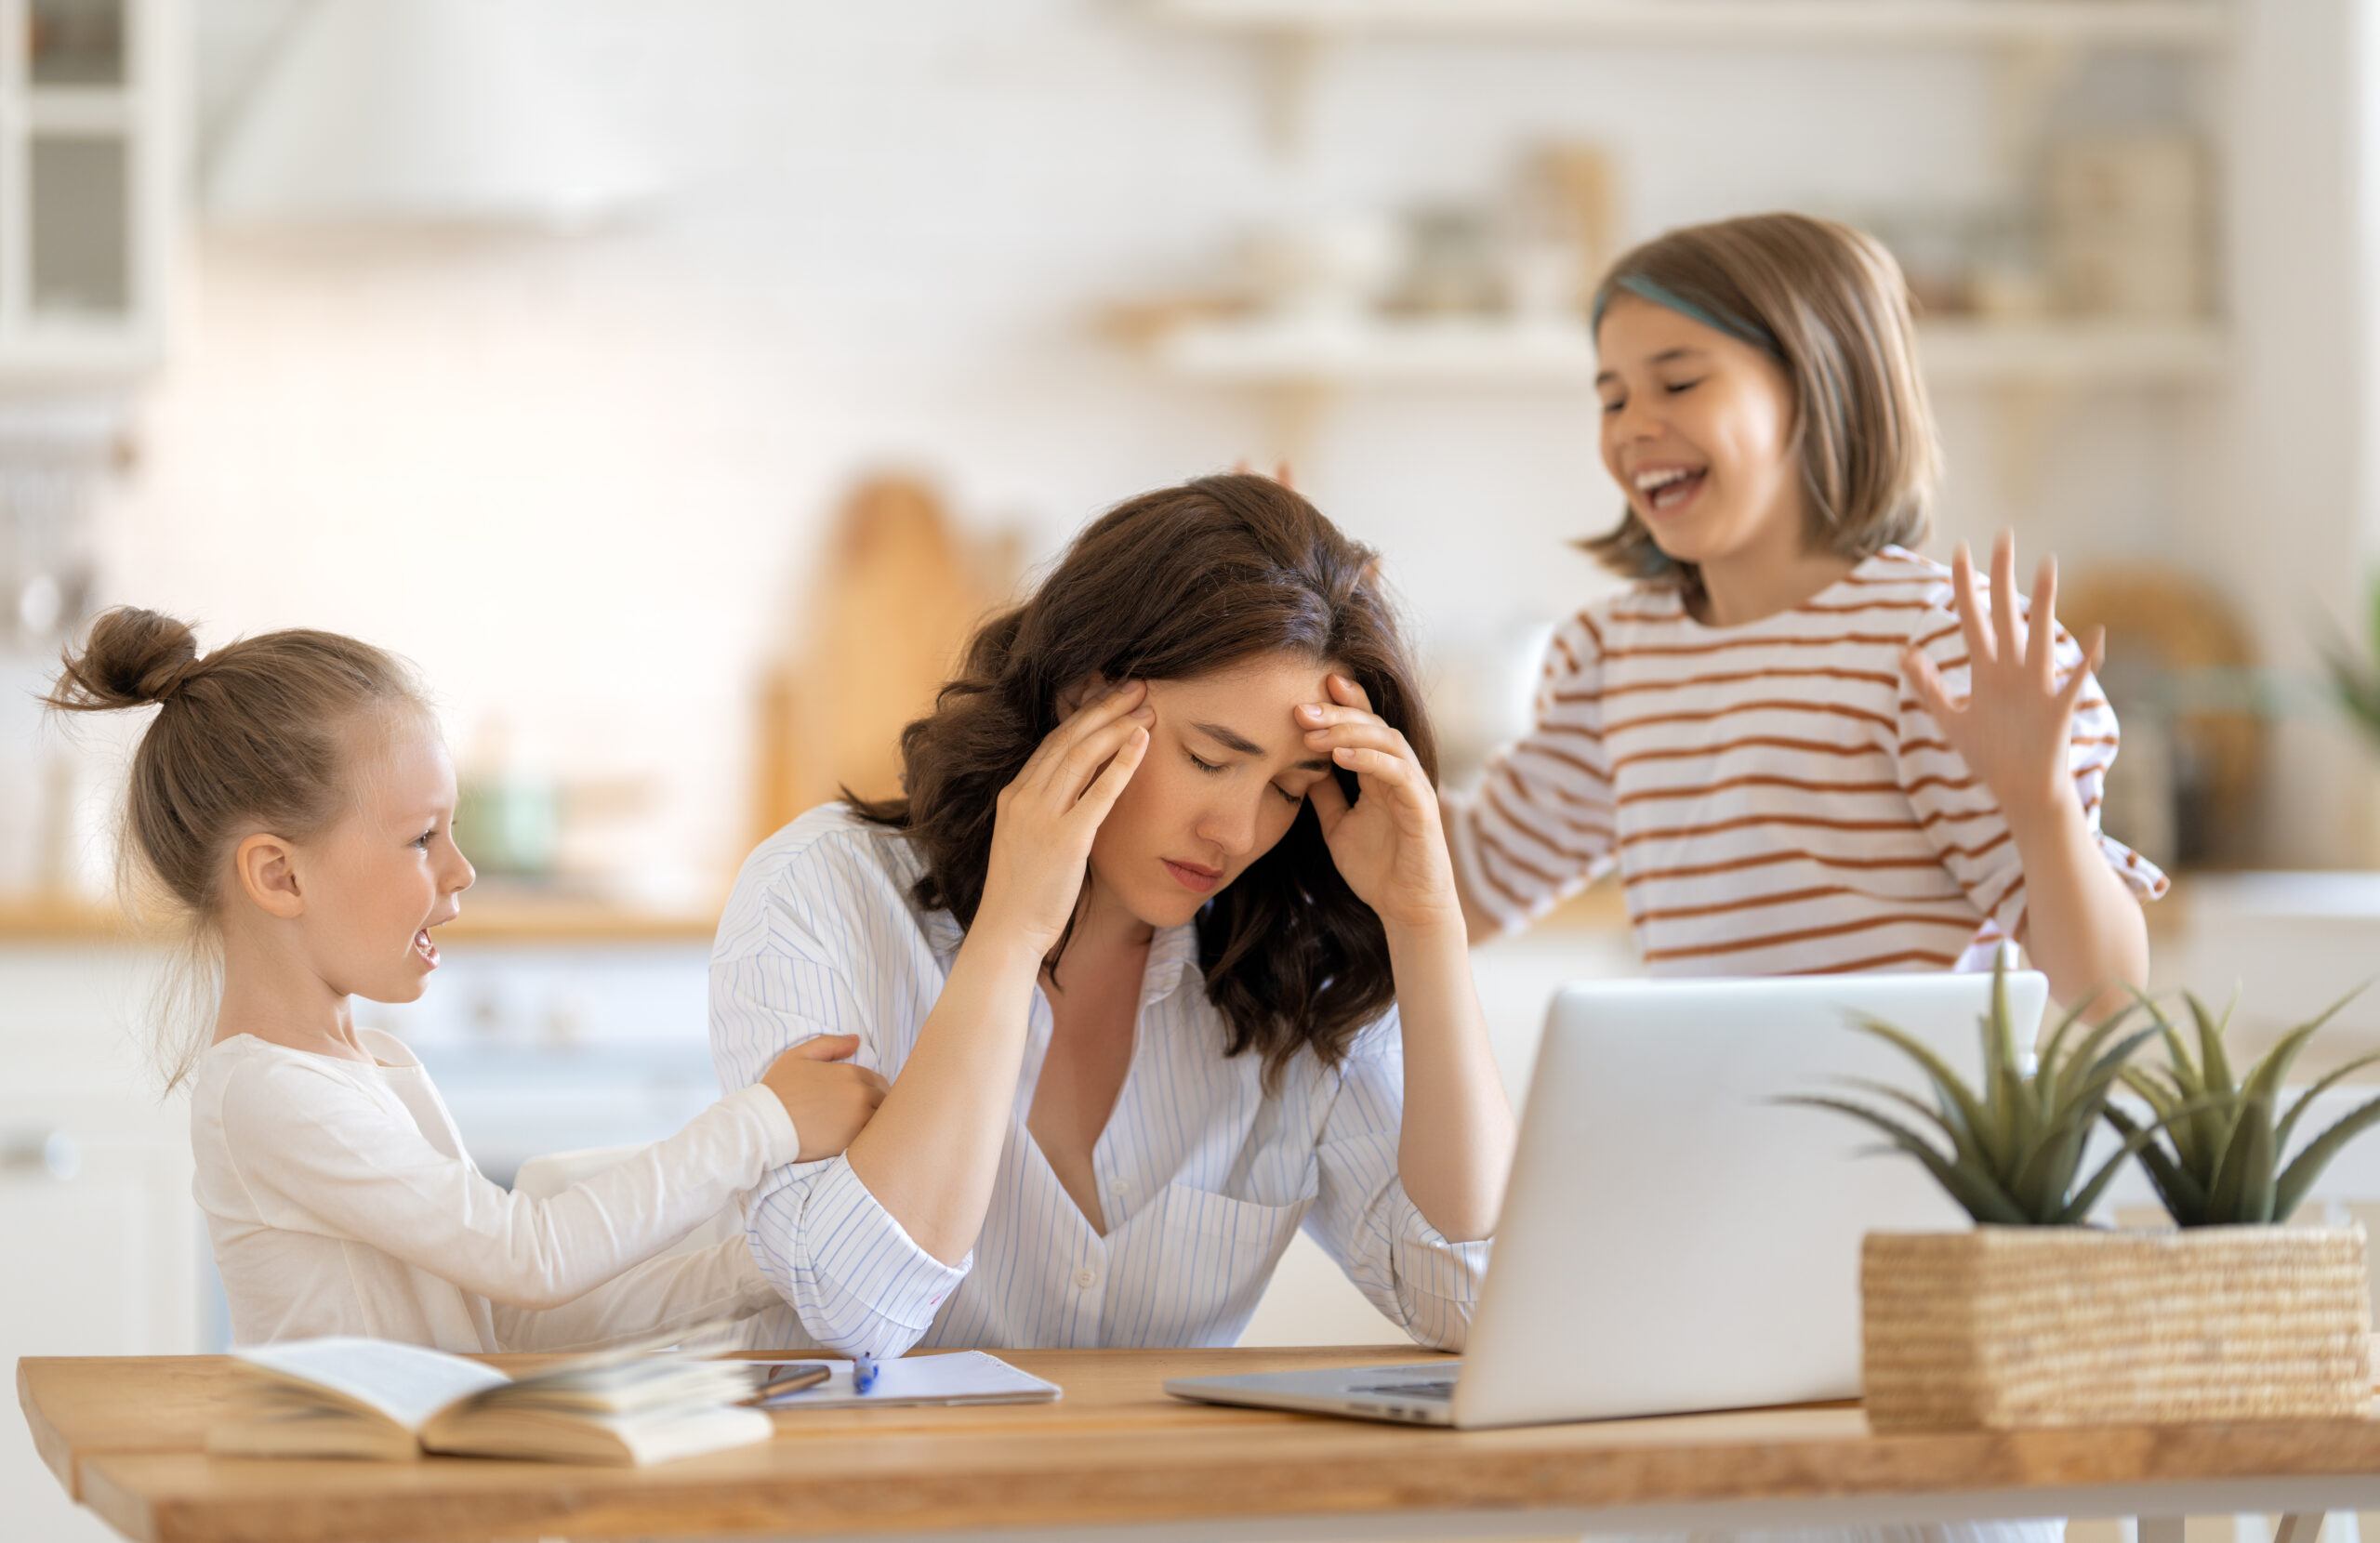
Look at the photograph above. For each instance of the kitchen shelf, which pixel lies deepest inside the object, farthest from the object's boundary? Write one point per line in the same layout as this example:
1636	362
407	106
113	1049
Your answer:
1489	354
2168	24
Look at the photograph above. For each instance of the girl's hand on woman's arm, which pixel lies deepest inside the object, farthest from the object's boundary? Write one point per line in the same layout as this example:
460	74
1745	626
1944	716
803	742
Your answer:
932	1149
2014	729
829	1100
1455	1144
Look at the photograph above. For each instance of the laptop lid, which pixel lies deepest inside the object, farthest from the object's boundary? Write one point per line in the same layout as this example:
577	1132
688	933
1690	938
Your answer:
1672	1239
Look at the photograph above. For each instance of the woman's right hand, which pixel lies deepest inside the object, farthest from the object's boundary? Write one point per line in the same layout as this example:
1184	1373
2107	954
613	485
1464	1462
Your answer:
829	1100
1046	817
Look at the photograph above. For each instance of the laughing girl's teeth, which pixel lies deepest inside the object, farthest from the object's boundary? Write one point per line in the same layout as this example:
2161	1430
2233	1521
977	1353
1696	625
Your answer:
1668	486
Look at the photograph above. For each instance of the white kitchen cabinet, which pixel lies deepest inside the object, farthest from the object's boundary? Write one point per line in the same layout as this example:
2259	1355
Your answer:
102	1242
87	177
102	1260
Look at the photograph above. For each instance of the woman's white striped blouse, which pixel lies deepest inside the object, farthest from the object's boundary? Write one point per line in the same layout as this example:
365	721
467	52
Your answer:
1776	799
1203	1176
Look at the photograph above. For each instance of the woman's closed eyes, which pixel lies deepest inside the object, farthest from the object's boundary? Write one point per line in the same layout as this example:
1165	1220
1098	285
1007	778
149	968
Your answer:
1215	768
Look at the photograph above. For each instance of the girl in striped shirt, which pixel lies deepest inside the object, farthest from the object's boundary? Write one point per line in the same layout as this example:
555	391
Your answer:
1804	748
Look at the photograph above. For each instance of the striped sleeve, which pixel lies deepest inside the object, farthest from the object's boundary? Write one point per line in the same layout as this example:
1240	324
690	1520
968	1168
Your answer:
851	1272
1540	827
1361	1217
1959	813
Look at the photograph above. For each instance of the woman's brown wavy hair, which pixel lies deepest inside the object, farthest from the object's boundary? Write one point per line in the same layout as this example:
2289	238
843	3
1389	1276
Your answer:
1175	584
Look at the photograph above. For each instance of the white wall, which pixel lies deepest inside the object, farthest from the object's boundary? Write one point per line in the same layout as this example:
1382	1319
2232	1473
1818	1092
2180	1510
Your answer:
579	480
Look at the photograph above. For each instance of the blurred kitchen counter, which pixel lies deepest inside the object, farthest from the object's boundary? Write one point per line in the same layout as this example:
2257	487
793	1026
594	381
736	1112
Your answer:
510	918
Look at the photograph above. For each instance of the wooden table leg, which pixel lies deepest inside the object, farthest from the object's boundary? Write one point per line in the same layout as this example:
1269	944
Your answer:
2299	1526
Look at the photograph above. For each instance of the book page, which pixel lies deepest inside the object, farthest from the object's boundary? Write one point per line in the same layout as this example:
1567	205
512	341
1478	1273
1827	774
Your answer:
405	1383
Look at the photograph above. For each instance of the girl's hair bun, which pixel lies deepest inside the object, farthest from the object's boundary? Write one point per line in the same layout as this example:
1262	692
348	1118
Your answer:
133	658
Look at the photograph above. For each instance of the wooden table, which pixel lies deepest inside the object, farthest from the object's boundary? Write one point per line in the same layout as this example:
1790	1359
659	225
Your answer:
1118	1457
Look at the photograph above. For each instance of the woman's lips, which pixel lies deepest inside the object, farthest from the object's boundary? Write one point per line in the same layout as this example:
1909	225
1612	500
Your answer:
1193	878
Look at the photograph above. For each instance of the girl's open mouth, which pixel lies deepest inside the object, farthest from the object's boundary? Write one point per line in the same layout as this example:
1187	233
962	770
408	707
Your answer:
1668	490
1195	880
425	948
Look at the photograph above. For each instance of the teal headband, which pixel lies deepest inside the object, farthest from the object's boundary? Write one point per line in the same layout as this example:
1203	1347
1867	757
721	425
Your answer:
1660	295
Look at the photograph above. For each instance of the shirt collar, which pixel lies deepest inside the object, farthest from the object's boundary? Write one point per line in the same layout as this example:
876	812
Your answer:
1174	953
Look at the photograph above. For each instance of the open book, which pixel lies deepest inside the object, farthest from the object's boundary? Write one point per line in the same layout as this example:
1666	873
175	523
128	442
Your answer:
376	1398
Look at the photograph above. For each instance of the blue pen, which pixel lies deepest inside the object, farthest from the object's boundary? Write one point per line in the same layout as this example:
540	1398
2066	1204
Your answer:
864	1370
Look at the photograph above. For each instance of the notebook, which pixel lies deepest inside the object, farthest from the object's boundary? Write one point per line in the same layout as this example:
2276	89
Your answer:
960	1377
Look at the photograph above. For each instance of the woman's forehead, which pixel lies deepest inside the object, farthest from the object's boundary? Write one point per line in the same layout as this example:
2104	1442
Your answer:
1286	680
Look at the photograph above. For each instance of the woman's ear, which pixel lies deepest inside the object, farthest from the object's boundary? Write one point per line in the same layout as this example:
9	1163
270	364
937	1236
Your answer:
267	868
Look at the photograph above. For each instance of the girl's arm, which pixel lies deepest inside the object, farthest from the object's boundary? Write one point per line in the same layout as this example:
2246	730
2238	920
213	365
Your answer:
933	1150
320	1155
1455	1142
661	1295
1541	824
2084	926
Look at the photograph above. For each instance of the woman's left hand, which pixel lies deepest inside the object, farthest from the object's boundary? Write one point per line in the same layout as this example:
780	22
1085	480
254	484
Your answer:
1389	845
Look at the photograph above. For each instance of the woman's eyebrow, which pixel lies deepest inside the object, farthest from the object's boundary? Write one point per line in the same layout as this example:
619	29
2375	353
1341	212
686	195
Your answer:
1231	739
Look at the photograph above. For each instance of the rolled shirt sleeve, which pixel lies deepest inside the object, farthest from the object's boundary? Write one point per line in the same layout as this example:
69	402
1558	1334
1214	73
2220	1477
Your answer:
852	1275
1418	1279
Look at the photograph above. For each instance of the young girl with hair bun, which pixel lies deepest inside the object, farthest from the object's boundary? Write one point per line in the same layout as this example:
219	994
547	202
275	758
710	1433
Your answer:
292	803
1806	747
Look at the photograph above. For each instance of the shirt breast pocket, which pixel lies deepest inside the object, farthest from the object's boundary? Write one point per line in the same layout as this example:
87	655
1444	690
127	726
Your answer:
1217	1255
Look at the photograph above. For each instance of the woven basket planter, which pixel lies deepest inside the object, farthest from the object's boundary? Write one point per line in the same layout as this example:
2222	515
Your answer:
2008	1326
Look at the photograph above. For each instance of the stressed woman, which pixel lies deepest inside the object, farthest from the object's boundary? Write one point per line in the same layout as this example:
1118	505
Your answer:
1163	954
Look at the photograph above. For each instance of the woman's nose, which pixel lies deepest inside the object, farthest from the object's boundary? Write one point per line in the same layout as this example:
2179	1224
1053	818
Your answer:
1231	827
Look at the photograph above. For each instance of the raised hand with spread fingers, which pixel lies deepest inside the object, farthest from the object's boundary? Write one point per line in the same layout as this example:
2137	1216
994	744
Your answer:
2013	728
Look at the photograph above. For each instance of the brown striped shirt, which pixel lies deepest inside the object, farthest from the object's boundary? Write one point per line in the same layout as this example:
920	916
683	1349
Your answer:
1773	795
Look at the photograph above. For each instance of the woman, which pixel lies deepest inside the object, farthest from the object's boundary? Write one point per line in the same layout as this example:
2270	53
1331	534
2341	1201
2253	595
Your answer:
1162	953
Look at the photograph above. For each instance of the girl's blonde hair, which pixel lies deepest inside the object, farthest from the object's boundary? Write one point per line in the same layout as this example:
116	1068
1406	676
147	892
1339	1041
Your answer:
1831	304
257	735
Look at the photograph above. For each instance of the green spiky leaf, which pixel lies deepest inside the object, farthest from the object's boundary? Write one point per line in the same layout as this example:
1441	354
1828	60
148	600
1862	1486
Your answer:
2305	1099
2307	1166
1974	1191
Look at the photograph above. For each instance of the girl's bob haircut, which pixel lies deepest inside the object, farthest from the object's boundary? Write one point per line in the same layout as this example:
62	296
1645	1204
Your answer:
1830	306
1173	583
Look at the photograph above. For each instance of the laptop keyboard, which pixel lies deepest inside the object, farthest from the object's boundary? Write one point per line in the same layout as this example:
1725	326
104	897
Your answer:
1441	1392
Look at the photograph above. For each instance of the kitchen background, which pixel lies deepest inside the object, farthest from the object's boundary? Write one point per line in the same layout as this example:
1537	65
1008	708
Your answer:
635	368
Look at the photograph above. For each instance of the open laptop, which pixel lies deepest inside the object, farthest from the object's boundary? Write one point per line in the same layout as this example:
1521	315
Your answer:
1672	1239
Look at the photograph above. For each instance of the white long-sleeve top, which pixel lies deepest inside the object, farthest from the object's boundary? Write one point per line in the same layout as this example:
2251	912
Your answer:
339	1200
1203	1176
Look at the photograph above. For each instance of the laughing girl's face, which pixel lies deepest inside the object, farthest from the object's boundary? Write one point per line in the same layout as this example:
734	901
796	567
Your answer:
1697	430
388	872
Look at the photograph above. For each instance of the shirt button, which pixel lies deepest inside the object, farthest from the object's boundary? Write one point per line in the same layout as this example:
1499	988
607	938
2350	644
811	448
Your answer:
1086	1278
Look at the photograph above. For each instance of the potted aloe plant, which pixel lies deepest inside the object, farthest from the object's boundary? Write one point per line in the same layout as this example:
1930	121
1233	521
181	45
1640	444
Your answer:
2035	1318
